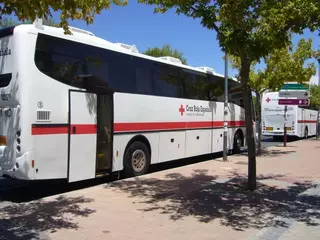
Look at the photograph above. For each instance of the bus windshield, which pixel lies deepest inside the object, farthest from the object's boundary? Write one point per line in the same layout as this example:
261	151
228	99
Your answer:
6	35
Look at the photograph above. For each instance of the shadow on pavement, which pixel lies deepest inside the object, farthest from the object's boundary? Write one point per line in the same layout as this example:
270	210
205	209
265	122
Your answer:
184	162
26	191
271	152
28	220
201	197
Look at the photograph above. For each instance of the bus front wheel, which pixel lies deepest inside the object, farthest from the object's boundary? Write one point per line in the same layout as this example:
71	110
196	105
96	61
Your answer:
136	159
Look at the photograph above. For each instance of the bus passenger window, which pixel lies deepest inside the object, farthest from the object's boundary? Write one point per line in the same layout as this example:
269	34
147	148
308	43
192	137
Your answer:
166	81
143	81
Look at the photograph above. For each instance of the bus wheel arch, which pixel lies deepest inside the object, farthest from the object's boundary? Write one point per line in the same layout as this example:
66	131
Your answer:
137	156
238	141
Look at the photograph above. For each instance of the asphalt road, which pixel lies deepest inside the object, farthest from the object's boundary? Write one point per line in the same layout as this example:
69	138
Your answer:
268	141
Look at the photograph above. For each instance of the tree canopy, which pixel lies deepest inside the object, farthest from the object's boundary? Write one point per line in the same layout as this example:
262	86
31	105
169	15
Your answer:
315	95
74	9
248	27
166	50
250	30
282	65
315	103
287	64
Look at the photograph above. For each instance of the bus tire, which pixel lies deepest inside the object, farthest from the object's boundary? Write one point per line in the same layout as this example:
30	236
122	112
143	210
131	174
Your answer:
136	160
237	143
306	132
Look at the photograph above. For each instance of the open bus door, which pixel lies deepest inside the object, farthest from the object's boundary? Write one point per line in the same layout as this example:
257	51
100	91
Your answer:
90	134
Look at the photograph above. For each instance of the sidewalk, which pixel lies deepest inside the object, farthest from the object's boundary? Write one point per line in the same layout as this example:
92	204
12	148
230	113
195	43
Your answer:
199	201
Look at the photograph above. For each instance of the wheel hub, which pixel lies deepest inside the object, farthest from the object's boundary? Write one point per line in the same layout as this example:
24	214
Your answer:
239	142
138	160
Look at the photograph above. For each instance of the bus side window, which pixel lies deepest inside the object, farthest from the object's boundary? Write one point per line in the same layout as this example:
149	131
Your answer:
188	83
143	77
119	79
241	103
166	80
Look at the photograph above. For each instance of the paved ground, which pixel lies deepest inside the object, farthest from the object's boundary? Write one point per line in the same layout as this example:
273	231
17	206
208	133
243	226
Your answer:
206	200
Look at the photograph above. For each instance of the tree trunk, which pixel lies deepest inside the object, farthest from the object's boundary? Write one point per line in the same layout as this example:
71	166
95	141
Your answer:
258	109
247	100
318	123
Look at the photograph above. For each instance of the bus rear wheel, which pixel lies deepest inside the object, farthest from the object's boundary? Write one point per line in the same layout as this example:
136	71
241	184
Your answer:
136	159
237	143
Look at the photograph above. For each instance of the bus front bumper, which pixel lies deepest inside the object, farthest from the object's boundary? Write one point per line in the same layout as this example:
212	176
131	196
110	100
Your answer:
278	133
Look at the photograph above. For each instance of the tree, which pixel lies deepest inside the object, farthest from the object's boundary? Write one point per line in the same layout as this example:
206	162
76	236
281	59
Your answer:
250	30
315	101
74	9
166	50
282	65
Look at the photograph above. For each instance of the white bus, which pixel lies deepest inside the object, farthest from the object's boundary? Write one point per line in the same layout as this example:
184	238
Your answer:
77	107
301	122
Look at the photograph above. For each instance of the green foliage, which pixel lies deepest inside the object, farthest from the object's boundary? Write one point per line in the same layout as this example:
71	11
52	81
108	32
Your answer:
166	50
315	95
248	28
282	65
73	9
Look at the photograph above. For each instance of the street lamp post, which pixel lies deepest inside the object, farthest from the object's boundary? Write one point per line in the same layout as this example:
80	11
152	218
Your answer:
225	112
318	121
318	71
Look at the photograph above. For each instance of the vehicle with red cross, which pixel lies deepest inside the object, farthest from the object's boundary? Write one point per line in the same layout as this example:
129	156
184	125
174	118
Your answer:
77	107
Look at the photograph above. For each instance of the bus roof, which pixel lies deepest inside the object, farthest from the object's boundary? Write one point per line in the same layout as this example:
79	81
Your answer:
86	37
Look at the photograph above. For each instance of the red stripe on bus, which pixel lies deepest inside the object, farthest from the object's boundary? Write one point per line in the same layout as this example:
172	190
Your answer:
84	128
127	127
38	130
157	126
47	129
307	121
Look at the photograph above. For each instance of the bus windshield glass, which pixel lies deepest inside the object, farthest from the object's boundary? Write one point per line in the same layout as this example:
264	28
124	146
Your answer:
6	37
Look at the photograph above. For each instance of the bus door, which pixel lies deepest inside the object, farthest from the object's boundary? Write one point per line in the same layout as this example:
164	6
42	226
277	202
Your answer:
104	133
302	125
90	135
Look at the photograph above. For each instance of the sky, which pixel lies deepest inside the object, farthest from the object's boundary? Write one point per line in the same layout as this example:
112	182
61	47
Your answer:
137	24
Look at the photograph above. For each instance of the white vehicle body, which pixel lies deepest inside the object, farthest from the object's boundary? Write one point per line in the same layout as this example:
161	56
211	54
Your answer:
301	122
55	126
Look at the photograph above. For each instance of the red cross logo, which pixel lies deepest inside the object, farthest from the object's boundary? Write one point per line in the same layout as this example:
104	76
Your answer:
181	110
268	100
